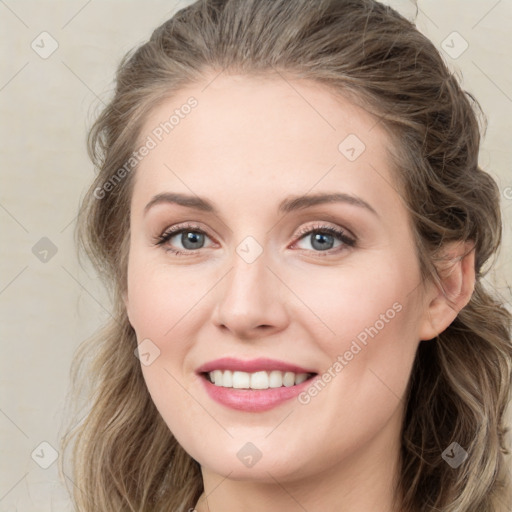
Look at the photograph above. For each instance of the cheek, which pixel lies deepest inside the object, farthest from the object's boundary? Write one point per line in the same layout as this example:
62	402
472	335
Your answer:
360	300
161	298
162	303
368	332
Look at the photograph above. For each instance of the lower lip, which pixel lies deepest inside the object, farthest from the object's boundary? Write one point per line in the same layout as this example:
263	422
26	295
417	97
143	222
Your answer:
253	400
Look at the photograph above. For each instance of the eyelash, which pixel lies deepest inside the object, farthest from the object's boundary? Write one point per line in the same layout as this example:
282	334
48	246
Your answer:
348	241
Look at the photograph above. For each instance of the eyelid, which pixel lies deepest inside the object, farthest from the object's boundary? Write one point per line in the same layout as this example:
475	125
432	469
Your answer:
322	226
171	231
347	239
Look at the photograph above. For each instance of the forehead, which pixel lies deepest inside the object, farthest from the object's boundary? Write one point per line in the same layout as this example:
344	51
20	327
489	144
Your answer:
269	134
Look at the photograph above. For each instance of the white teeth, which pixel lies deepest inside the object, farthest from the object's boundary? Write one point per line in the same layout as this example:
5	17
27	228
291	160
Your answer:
276	379
259	380
217	377
301	377
289	379
241	380
256	380
227	379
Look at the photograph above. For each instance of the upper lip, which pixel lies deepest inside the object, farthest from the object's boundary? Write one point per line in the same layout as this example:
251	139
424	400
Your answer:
251	365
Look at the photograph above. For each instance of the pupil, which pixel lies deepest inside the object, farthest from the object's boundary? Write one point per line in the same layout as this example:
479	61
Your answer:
318	237
191	237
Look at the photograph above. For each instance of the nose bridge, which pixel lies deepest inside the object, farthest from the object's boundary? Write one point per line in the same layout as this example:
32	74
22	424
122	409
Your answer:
247	282
250	295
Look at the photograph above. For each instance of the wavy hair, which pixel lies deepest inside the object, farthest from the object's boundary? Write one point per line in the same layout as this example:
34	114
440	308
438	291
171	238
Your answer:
124	457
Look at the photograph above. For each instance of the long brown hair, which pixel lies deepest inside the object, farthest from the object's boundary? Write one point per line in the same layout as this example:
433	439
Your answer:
124	456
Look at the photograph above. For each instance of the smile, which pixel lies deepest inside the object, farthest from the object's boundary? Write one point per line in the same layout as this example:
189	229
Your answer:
256	380
255	385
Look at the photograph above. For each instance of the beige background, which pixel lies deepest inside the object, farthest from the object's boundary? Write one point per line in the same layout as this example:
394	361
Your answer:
46	105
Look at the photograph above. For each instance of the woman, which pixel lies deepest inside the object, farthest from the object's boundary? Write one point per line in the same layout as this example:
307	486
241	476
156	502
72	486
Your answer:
290	212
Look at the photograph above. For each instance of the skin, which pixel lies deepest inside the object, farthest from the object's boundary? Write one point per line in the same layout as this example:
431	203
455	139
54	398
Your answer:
249	144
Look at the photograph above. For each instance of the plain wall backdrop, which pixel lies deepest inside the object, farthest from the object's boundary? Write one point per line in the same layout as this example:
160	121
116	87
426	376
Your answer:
57	64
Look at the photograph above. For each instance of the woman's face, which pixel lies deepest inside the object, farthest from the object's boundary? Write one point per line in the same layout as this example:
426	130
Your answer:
279	283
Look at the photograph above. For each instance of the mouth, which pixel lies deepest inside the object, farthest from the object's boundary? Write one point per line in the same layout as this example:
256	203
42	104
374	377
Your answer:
253	386
256	380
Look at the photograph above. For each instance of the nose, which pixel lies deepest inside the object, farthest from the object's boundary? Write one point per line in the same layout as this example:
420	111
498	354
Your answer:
251	300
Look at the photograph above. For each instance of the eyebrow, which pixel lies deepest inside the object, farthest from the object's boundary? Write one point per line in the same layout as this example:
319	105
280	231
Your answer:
288	205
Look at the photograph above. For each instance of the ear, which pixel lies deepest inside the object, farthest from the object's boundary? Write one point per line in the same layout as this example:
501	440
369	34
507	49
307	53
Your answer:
452	291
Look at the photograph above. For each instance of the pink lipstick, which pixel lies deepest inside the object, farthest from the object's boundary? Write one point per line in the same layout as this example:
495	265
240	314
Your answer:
254	385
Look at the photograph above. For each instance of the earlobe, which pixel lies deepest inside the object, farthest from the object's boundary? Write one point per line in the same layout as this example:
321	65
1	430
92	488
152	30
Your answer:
453	290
